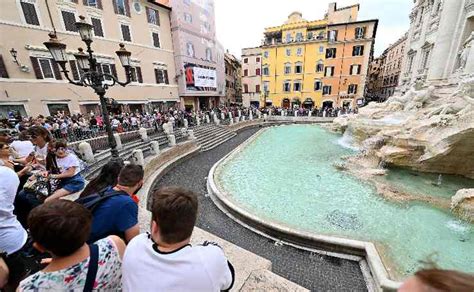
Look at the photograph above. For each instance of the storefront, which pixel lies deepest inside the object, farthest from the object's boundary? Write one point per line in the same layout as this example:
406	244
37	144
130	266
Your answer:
327	104
285	103
308	103
295	103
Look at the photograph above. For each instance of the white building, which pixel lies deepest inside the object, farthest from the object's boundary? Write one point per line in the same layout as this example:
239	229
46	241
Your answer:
440	41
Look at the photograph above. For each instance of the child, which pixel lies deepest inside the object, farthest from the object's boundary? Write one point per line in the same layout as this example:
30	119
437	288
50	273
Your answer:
67	167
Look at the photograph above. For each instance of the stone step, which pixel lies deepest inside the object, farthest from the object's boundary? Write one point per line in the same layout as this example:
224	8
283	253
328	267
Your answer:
264	280
201	139
216	142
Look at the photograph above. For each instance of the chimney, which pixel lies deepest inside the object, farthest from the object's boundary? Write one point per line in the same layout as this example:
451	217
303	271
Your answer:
332	7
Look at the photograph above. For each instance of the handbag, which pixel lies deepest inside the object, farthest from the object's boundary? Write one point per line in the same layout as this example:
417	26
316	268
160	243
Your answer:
40	185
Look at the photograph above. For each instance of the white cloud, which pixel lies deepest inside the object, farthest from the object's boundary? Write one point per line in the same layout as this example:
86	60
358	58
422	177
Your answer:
240	24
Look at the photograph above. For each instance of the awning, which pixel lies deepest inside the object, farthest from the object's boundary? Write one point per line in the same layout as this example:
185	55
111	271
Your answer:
269	100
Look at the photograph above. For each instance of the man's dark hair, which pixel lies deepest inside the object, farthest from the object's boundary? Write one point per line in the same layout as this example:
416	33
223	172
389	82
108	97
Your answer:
174	209
130	175
60	226
40	131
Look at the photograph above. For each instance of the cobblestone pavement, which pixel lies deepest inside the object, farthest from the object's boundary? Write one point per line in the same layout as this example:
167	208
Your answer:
313	271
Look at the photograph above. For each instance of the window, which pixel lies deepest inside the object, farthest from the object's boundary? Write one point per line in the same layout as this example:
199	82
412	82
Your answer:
208	54
298	68
299	37
161	75
266	71
120	7
297	85
257	88
29	11
246	88
265	86
411	58
359	32
332	35
426	59
352	89
246	72
288	37
331	53
265	54
329	71
257	72
188	18
287	68
357	50
126	36
190	49
246	60
46	68
321	49
309	35
153	16
76	72
320	66
93	3
257	59
286	86
288	52
3	69
97	26
326	90
318	85
355	69
107	69
299	51
69	20
133	74
156	39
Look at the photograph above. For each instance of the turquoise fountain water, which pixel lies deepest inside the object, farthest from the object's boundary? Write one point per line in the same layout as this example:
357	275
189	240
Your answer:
287	175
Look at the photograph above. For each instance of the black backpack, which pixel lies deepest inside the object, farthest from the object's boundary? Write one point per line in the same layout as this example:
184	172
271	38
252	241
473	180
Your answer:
92	201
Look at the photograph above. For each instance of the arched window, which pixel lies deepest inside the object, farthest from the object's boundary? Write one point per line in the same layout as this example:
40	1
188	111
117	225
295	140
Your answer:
190	49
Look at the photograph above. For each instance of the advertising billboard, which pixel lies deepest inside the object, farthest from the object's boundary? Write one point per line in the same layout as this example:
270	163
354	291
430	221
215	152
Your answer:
199	78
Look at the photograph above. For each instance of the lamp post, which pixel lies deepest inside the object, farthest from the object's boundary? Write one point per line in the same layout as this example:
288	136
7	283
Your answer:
91	77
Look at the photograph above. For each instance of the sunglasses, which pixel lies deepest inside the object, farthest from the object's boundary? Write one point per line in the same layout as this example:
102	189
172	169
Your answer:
60	149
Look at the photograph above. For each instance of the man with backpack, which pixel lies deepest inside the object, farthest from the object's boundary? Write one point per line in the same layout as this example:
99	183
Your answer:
114	212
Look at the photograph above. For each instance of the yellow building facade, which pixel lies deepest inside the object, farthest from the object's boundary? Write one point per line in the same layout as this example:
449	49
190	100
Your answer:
304	62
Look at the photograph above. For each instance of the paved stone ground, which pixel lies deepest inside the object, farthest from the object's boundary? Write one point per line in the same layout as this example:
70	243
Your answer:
313	271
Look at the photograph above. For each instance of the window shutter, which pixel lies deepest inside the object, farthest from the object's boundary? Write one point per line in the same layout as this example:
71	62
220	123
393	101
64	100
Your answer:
75	1
156	39
361	51
359	69
114	70
114	3
139	74
355	88
354	50
351	70
99	4
57	72
157	16
156	75
75	73
329	89
85	2
97	26
363	31
69	20
127	7
29	12
165	75
36	67
3	69
148	14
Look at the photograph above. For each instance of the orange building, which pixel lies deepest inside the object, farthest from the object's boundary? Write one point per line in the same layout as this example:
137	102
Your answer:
348	53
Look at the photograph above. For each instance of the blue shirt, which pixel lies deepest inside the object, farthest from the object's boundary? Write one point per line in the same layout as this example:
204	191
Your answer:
113	216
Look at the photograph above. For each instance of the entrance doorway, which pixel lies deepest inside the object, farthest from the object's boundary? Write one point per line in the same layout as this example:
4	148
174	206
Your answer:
203	103
285	103
327	104
308	103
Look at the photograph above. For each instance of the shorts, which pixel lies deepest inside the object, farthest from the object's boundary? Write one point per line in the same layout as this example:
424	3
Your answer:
72	184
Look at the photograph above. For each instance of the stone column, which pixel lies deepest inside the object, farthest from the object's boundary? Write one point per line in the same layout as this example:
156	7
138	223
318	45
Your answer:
172	140
118	141
155	147
86	151
143	134
137	157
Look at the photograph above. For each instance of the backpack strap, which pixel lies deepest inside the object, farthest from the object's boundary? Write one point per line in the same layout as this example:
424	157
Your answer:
93	267
103	197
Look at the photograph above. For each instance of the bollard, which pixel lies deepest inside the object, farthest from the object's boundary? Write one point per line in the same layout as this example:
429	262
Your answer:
137	157
185	123
198	121
207	119
118	141
251	115
191	135
143	134
239	113
172	140
264	117
155	147
86	151
309	114
296	114
231	119
222	116
282	113
259	114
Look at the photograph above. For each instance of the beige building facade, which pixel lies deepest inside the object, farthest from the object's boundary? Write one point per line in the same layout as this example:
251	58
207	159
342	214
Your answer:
233	90
252	86
33	85
392	65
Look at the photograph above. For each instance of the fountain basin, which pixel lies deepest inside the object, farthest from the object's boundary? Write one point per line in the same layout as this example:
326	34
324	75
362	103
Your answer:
283	183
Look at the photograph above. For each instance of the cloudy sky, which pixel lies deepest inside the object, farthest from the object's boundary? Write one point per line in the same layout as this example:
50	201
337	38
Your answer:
240	24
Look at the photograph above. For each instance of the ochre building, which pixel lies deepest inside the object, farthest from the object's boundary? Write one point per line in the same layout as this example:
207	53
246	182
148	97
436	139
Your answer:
321	63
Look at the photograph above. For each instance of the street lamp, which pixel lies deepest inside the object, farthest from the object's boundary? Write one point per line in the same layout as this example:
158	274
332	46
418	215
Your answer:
91	77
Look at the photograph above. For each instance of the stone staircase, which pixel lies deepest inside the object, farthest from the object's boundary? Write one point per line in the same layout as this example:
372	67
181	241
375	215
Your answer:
209	136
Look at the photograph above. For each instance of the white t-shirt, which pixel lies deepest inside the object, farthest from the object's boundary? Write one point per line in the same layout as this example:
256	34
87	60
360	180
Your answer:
67	162
23	148
12	234
191	268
